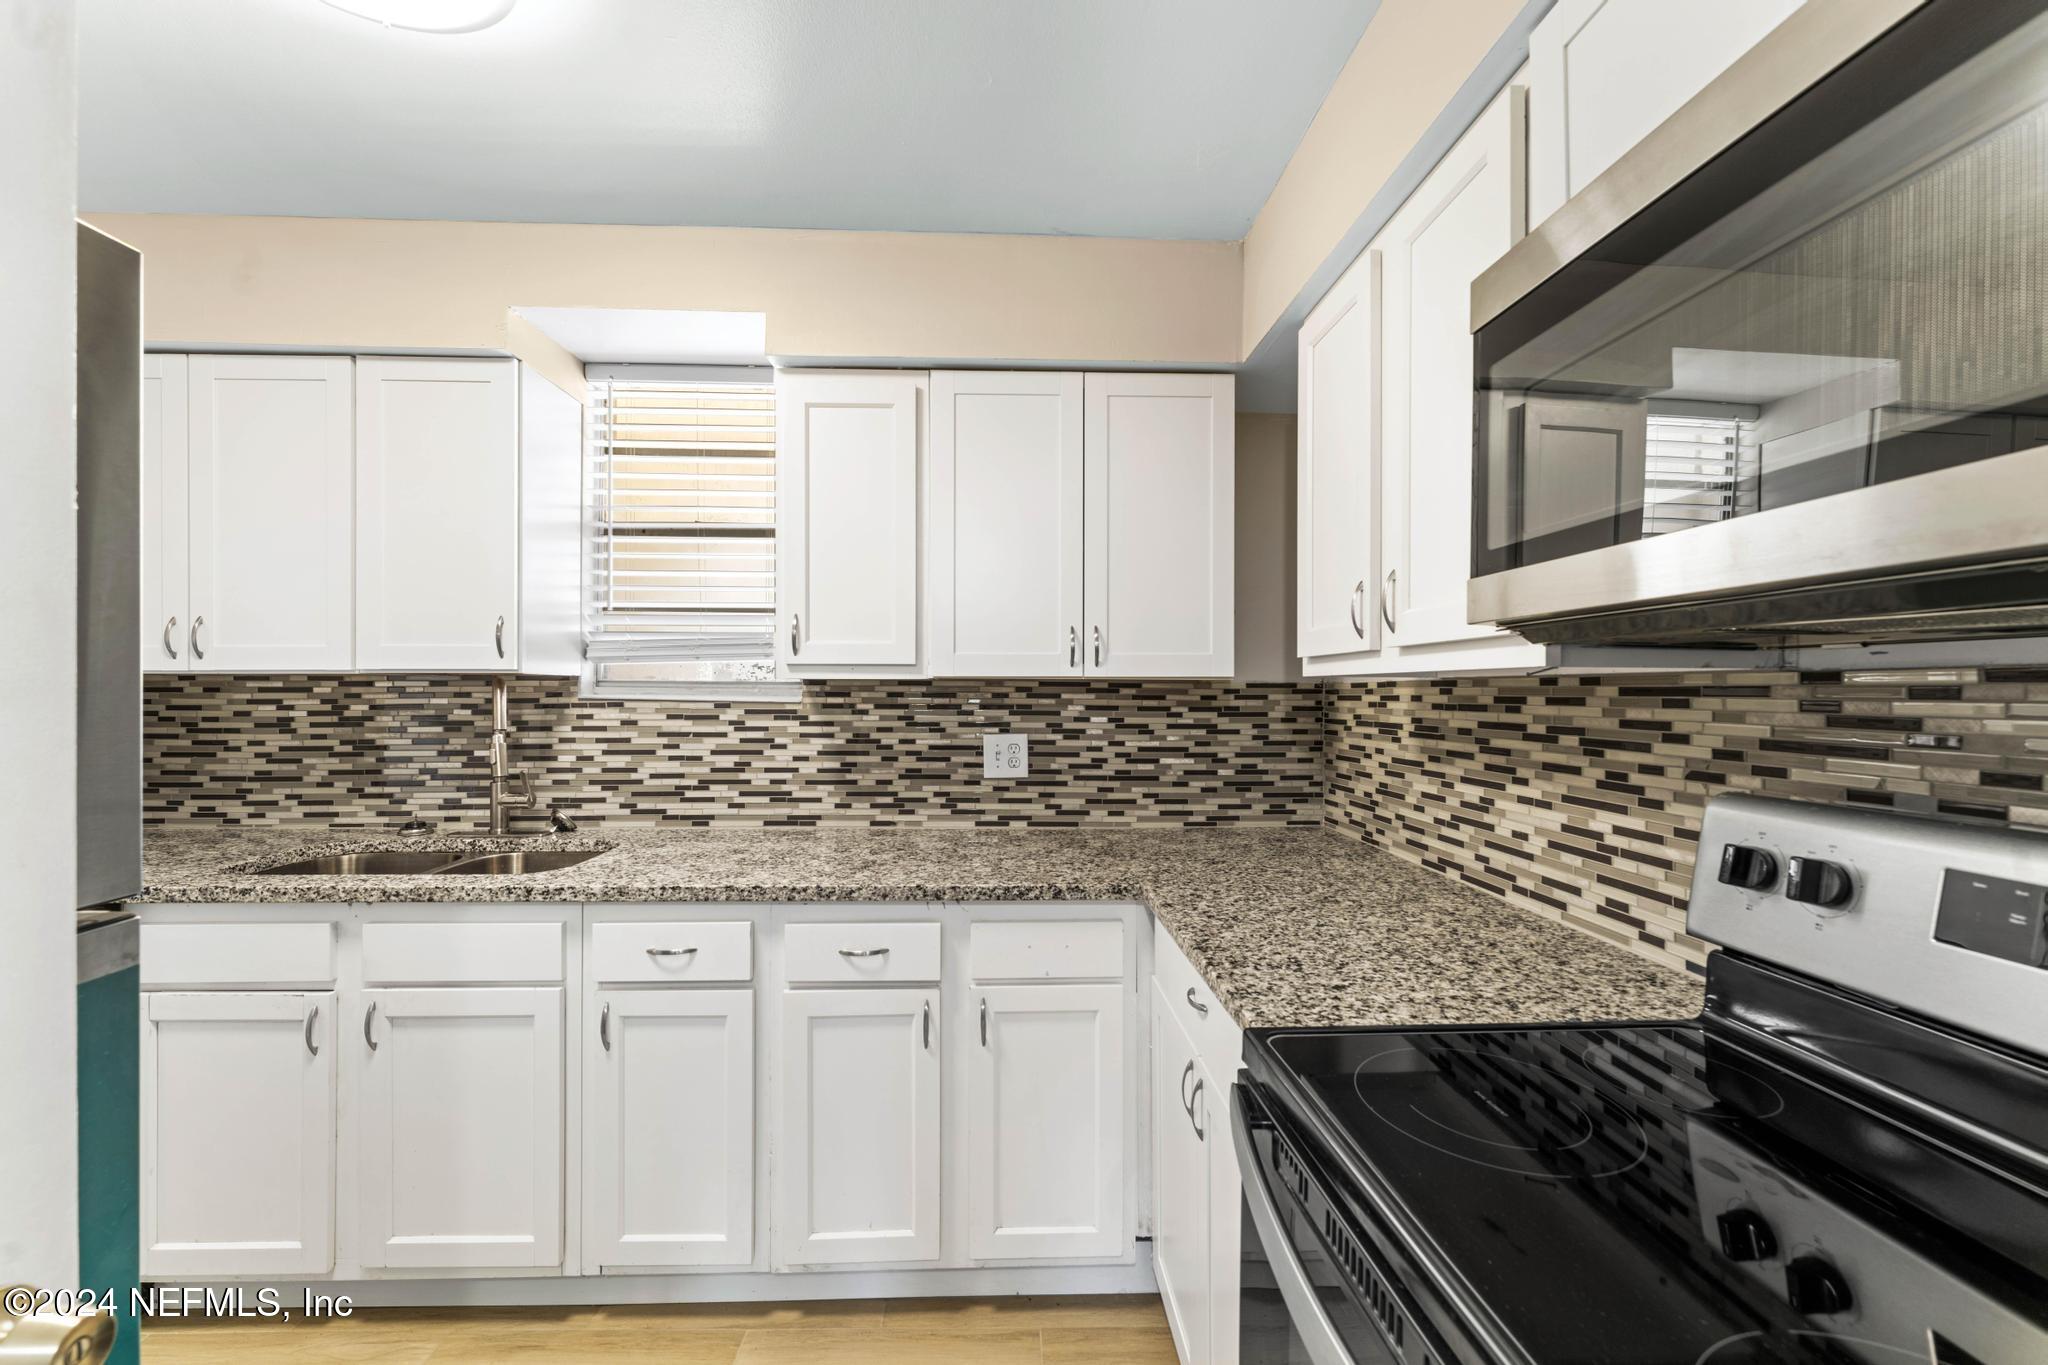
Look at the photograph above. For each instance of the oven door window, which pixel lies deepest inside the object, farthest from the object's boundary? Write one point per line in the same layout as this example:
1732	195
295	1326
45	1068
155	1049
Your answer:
1851	295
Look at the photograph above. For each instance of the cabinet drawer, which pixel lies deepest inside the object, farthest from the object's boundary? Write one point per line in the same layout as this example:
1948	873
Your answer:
1216	1035
835	954
440	954
642	951
1046	950
238	954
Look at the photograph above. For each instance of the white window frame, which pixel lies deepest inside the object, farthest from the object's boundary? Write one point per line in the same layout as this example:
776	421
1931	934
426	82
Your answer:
591	686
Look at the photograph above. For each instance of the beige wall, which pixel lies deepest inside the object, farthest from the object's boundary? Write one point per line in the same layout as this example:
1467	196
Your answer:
362	284
1265	548
1411	59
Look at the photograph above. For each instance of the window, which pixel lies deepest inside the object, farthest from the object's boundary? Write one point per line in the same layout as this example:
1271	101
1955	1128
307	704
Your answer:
1698	469
680	518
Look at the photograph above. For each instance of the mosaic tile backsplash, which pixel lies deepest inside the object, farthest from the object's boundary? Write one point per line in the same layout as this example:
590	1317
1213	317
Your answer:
374	751
1580	798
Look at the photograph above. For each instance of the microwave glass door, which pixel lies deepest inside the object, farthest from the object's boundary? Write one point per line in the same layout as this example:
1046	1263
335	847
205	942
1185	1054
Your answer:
1853	294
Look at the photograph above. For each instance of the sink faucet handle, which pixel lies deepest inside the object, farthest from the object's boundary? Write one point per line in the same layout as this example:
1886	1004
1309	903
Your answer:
559	821
415	826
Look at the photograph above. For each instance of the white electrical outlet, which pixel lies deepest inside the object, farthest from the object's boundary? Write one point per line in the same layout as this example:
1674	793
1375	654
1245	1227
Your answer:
1005	756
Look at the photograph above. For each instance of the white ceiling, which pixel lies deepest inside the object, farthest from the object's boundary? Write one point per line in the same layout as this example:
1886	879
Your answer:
1141	118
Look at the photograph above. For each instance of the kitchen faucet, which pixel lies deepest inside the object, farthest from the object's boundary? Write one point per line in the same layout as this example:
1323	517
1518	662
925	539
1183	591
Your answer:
504	776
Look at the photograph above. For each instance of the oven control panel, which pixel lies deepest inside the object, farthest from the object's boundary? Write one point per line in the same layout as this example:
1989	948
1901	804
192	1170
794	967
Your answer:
1946	919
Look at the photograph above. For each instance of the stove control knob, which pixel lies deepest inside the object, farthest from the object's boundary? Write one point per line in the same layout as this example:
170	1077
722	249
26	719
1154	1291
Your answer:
1745	1236
1751	868
1813	1286
1818	882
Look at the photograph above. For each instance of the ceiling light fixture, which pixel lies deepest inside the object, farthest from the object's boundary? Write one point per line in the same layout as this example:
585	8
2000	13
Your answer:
428	16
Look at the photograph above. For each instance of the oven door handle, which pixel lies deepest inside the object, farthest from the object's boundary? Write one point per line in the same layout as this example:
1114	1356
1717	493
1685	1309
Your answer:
1318	1334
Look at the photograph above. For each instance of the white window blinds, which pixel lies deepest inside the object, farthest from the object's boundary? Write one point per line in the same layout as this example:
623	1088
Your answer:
1696	470
681	503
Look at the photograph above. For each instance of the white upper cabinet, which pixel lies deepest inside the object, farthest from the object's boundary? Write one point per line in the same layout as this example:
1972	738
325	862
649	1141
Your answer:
461	1113
1461	219
669	1136
1006	524
1337	602
1603	73
165	484
271	517
1045	1122
857	1164
437	514
237	1134
1160	457
849	521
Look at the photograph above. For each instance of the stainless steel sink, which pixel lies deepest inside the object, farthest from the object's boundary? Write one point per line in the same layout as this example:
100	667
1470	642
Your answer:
513	864
387	862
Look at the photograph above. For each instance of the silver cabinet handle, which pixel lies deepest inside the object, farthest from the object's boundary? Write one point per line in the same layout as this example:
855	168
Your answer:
1194	1118
500	636
671	952
197	652
1073	646
796	626
1387	601
1196	1005
984	1021
170	626
1358	609
863	952
1185	1072
368	1015
1097	632
604	1026
312	1019
927	1026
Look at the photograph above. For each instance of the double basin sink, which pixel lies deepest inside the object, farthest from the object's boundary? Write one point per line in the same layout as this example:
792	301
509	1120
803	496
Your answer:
414	863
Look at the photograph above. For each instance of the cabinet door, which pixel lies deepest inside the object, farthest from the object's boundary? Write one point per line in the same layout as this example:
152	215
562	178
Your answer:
165	474
1603	73
1006	501
1457	223
437	514
857	1167
1161	507
461	1127
1337	483
237	1134
848	523
669	1142
1045	1123
1180	1175
272	513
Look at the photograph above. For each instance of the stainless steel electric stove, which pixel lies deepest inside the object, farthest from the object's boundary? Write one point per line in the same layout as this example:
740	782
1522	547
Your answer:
1843	1159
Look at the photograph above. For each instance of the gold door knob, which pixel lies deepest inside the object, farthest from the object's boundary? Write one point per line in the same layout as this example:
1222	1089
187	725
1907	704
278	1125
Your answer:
52	1338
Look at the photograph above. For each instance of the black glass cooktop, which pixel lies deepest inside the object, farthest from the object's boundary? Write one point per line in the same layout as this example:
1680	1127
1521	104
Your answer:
1644	1194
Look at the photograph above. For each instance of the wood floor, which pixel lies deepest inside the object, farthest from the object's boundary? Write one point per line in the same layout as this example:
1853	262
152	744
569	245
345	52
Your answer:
1091	1330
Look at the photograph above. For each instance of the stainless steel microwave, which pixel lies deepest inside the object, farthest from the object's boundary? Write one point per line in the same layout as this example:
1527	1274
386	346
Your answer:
1781	373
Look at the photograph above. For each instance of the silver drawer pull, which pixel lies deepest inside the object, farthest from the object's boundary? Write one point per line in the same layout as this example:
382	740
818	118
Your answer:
1198	1006
369	1015
927	1026
671	952
1097	631
796	630
604	1026
1358	610
500	637
1187	1106
984	1021
1195	1119
170	626
312	1019
1387	599
192	637
863	952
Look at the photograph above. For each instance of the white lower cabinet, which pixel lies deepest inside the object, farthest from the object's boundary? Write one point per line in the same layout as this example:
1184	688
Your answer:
237	1134
461	1111
858	1158
1181	1215
669	1129
1045	1122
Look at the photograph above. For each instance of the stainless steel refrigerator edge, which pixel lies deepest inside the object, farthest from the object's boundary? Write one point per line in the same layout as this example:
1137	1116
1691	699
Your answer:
109	568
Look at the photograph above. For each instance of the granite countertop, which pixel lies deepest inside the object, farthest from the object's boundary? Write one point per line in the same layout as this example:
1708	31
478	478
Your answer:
1290	927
